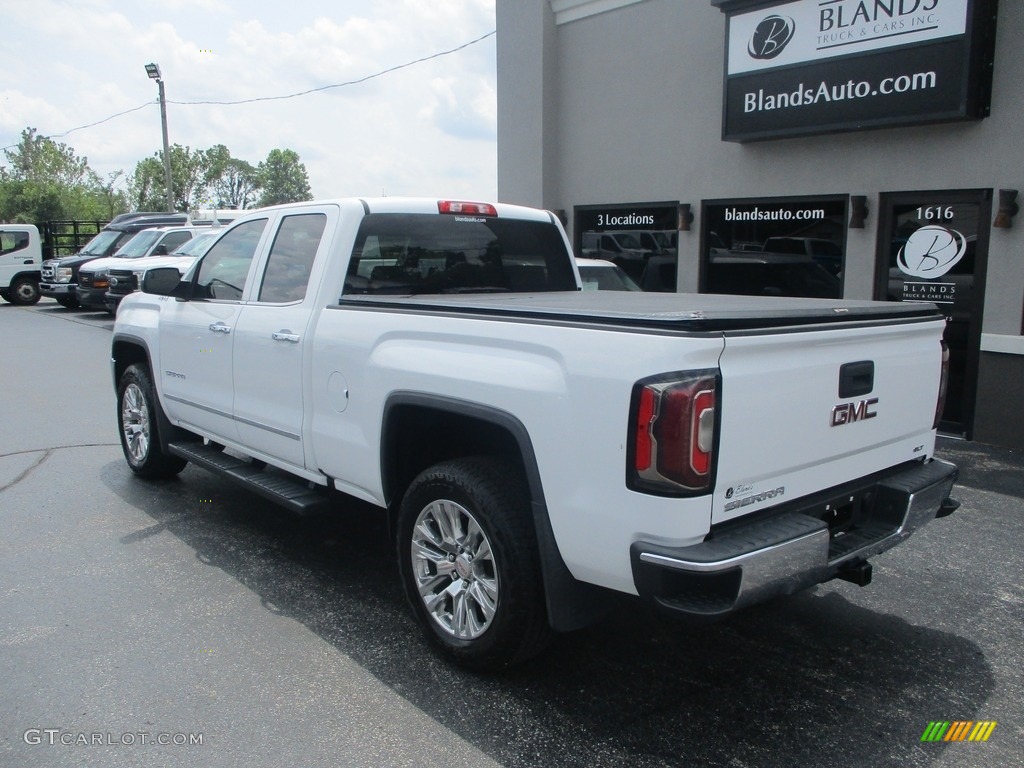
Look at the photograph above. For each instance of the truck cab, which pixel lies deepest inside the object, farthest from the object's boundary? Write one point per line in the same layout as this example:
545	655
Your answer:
20	259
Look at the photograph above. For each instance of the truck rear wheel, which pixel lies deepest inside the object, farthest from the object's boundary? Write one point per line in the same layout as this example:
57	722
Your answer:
470	565
137	417
23	291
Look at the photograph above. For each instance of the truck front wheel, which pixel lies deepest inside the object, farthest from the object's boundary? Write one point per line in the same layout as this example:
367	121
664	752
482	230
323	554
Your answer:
470	565
23	291
137	416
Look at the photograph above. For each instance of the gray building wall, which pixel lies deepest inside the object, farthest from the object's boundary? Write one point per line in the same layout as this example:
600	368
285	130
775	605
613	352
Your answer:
621	102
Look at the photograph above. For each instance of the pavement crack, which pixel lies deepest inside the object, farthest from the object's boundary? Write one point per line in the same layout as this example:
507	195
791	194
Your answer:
28	470
57	448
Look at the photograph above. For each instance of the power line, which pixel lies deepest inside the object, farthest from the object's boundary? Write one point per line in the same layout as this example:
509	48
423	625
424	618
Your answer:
350	82
90	125
357	81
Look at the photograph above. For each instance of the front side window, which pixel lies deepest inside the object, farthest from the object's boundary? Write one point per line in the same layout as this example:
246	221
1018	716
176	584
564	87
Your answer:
224	270
408	254
13	241
105	241
291	258
139	245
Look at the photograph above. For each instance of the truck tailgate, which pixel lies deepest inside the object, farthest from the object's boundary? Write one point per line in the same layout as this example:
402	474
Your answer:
804	411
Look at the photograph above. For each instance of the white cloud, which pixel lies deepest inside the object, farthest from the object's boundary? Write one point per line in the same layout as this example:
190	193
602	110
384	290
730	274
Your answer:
465	108
423	129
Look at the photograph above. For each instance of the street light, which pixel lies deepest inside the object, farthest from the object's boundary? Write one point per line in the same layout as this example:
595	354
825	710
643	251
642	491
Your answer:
153	70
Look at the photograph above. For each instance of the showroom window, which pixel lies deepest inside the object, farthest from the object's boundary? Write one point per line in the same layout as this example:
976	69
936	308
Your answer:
640	238
774	246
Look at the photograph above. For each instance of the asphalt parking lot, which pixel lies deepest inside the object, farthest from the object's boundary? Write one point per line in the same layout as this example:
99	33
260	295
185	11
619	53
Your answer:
191	613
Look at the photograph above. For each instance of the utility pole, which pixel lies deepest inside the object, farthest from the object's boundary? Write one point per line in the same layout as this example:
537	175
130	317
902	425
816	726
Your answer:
153	70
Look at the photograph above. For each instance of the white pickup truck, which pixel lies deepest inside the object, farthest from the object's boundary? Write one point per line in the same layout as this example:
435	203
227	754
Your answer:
533	445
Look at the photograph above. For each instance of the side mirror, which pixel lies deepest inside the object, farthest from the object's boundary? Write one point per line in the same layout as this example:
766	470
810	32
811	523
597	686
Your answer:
161	281
160	250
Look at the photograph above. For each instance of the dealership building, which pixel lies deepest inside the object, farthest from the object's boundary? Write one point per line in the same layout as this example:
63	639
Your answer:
833	148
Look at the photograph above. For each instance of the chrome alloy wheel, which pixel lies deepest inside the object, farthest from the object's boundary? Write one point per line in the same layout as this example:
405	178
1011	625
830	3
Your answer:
135	423
455	570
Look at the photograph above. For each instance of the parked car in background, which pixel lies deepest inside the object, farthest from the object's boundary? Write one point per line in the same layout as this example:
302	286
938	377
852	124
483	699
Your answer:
654	240
60	276
156	241
825	252
600	275
215	217
21	256
125	279
659	275
745	246
621	248
771	274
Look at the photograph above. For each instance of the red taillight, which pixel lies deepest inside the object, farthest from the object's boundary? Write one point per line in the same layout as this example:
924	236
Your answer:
674	434
466	209
645	413
943	384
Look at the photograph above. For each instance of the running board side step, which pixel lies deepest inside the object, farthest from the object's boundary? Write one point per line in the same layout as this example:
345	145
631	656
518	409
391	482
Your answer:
291	493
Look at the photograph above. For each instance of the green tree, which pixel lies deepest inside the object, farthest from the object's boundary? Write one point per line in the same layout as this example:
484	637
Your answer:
114	201
42	160
147	189
46	180
230	181
146	185
283	178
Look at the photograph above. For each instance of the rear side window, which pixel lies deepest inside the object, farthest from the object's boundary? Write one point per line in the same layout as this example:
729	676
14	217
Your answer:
175	239
291	258
408	254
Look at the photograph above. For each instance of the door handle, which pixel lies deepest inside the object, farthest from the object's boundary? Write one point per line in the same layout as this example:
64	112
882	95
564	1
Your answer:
220	328
286	336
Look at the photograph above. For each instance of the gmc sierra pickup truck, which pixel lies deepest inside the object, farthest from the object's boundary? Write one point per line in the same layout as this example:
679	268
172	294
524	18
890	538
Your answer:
533	445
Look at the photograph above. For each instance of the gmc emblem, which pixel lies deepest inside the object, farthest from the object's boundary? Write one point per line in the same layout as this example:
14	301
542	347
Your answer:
847	413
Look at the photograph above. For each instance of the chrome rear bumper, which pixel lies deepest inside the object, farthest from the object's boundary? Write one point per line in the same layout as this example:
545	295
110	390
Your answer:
749	561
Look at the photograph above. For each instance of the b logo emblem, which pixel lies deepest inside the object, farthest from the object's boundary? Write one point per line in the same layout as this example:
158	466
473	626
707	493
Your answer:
931	252
771	37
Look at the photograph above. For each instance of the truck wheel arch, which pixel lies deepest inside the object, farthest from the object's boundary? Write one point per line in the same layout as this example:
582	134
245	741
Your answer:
410	426
127	350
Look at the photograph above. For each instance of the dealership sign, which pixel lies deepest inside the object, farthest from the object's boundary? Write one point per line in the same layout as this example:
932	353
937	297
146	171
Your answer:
818	66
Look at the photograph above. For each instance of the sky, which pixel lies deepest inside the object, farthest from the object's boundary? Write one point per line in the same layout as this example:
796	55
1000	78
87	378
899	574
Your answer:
424	129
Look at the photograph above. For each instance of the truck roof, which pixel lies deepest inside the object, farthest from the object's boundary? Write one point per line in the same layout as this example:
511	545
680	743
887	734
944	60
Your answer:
425	205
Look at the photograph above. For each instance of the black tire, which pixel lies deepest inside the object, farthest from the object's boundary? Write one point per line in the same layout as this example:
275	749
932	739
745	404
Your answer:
497	616
23	291
138	417
68	302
